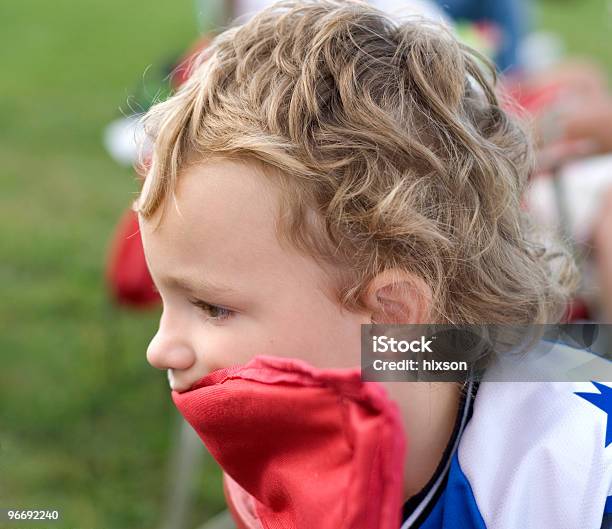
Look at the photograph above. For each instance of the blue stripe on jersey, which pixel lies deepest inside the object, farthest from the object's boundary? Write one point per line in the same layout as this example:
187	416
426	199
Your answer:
608	506
456	508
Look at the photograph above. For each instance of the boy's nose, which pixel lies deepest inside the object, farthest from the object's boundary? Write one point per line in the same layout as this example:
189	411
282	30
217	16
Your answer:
168	352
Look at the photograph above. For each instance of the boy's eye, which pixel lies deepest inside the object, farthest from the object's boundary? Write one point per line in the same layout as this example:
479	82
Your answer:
214	312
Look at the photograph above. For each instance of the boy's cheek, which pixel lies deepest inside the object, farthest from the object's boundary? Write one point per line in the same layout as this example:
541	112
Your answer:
232	344
324	340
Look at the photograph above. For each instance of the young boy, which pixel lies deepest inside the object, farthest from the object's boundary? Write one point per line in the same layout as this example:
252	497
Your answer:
326	167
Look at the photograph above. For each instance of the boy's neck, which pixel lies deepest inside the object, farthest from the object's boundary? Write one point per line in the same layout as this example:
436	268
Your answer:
429	412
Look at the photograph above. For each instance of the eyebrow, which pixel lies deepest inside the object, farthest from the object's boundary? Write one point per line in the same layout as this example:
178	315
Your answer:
202	285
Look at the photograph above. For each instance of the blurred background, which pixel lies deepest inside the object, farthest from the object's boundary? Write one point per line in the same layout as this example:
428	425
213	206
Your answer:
86	425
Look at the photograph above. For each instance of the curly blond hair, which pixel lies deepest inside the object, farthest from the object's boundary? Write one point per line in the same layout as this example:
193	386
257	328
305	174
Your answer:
390	145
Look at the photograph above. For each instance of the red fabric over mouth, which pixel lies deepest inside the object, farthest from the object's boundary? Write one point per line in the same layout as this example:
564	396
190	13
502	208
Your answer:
301	447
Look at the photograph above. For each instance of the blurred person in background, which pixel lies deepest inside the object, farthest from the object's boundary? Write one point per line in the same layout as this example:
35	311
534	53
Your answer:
570	105
507	22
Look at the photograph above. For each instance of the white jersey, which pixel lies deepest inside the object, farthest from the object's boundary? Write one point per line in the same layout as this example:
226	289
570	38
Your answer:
533	455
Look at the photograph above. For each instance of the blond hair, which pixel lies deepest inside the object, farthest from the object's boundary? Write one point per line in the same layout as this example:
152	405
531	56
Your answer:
392	149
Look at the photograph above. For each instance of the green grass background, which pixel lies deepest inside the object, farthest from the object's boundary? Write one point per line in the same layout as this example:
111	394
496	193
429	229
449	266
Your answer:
85	423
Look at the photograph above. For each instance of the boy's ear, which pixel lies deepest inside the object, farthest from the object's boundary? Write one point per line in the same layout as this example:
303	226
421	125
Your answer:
398	297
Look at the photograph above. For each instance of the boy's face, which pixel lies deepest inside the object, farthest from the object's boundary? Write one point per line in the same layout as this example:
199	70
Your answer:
229	290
